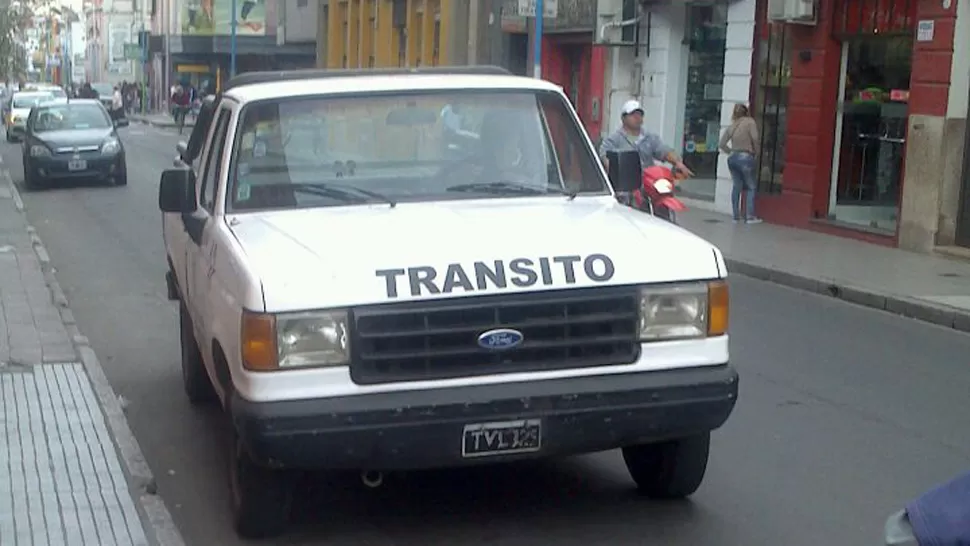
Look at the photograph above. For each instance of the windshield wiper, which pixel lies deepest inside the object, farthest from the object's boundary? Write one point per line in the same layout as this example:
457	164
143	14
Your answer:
341	191
508	188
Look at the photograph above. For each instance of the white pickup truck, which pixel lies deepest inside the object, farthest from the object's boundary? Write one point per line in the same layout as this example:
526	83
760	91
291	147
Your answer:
361	293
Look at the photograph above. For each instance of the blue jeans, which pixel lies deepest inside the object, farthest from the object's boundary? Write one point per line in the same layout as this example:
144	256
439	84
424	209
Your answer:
742	165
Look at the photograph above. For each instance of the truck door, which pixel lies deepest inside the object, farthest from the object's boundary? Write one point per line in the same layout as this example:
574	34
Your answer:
201	253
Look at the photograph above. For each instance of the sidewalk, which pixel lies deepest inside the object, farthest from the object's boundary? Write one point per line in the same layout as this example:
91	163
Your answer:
70	470
926	287
159	120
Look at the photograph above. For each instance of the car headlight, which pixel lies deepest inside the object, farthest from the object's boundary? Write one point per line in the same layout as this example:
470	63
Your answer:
110	146
683	311
39	151
295	340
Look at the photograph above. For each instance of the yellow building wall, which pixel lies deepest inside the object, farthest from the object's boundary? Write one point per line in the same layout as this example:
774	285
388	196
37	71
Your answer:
361	34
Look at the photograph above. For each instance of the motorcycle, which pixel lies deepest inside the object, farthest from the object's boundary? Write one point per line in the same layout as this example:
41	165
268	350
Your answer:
941	517
650	190
656	193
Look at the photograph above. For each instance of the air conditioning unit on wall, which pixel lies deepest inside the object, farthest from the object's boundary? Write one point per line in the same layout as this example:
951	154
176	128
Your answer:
799	12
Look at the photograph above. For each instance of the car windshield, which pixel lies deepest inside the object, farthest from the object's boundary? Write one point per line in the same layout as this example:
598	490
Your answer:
103	89
331	151
29	101
70	116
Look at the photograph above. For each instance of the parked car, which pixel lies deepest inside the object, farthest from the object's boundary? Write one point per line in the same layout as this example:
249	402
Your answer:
70	140
20	107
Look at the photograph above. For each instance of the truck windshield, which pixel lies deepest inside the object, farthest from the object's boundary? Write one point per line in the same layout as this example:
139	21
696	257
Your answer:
416	147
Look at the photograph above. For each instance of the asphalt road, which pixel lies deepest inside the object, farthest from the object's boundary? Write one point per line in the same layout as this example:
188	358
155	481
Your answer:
845	413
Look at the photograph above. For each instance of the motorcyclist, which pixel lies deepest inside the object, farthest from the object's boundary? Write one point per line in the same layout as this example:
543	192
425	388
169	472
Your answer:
631	136
180	100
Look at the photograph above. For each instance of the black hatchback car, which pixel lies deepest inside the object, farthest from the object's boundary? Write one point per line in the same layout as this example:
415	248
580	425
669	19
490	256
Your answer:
73	139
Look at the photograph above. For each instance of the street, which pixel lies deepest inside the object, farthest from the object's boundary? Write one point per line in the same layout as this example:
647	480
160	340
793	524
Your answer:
845	413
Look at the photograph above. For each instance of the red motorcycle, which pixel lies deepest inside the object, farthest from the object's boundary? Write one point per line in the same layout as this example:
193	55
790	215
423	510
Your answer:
656	193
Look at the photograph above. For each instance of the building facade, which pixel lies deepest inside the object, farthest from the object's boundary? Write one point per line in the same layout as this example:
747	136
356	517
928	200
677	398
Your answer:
397	33
872	100
688	63
191	41
862	107
570	57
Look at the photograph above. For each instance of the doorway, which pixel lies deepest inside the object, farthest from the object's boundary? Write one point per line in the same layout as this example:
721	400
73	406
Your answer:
963	216
706	47
870	143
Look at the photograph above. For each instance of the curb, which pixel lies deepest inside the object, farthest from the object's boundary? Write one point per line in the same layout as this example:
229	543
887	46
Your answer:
159	125
158	522
939	314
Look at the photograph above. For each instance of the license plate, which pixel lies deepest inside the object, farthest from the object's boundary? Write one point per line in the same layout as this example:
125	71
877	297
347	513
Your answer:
504	438
77	165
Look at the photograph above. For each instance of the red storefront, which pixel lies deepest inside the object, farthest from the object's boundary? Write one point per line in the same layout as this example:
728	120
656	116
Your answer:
834	101
571	61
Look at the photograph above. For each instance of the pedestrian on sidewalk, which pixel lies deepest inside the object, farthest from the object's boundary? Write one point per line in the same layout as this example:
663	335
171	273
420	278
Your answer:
741	141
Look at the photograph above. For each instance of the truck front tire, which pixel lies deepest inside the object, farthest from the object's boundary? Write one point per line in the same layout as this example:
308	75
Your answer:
669	470
195	380
261	496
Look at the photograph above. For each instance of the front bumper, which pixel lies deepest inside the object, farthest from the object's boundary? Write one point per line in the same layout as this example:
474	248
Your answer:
96	164
425	429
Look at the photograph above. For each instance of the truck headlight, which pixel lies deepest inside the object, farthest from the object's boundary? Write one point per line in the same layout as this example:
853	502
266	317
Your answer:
39	151
295	340
683	311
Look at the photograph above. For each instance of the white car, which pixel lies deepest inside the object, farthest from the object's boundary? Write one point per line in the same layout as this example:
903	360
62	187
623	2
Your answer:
359	297
20	106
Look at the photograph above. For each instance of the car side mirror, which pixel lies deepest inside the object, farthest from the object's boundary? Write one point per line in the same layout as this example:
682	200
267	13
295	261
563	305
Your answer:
121	122
625	170
176	191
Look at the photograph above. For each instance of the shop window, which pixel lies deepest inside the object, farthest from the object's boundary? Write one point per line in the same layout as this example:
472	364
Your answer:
706	38
871	141
770	106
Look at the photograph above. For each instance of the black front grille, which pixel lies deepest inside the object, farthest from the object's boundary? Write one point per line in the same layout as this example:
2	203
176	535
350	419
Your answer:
439	339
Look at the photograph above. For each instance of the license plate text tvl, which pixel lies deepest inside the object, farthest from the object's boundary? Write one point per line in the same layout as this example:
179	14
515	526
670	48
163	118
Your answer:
503	438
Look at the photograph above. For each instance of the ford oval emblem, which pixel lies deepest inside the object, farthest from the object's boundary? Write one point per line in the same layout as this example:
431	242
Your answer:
501	339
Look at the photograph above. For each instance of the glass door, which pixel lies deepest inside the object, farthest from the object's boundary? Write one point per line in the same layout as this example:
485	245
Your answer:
706	39
871	132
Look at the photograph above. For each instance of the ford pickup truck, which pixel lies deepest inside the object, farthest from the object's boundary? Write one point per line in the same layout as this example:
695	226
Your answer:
360	290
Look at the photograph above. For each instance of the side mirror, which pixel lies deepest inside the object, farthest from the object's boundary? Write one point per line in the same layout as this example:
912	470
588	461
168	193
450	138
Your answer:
176	192
121	122
625	170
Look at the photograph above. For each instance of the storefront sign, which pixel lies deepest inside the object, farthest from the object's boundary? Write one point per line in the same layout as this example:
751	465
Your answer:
925	30
550	8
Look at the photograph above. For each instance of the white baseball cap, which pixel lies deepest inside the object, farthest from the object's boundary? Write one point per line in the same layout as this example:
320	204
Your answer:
631	106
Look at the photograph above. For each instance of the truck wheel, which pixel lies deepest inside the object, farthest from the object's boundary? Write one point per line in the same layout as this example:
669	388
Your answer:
195	380
260	496
669	470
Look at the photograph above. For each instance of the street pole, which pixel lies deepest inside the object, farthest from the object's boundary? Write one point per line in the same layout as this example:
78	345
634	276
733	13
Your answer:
166	92
537	51
232	41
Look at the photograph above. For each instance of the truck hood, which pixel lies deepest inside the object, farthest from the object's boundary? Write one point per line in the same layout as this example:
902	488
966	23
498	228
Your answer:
342	256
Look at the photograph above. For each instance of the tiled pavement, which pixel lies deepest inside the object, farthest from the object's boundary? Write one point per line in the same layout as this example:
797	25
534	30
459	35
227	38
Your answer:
70	471
928	287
